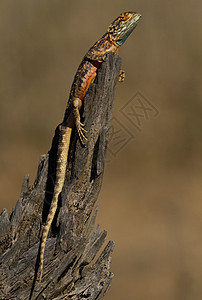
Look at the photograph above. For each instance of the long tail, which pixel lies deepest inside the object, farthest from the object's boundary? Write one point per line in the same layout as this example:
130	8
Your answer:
62	154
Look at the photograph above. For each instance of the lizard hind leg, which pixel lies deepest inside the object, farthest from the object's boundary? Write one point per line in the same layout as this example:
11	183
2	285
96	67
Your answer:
79	126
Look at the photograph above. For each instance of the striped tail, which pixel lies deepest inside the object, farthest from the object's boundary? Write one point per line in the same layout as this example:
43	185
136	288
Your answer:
63	147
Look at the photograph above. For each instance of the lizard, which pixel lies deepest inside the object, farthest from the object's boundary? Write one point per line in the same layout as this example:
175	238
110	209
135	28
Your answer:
116	35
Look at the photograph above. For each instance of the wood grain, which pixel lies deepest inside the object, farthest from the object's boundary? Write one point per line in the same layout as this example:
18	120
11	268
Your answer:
72	268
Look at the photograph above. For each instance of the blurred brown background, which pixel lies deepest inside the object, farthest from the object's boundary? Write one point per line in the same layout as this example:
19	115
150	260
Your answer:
150	202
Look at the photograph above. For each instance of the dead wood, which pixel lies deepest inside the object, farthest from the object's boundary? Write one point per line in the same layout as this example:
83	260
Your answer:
72	269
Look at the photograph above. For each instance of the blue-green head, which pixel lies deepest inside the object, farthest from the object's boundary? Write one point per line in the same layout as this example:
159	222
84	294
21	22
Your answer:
121	27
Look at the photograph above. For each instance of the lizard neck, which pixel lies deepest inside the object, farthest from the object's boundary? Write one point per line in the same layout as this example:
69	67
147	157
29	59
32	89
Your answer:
101	48
107	36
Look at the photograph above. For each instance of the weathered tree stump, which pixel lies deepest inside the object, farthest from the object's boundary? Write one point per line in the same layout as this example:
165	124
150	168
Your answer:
71	268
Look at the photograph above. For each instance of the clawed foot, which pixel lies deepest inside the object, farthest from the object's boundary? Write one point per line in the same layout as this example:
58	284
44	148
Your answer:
122	76
79	126
81	132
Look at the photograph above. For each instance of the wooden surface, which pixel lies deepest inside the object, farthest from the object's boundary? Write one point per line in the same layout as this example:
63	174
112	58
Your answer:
72	268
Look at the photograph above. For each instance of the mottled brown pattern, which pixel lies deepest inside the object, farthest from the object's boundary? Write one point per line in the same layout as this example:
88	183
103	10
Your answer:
85	75
100	49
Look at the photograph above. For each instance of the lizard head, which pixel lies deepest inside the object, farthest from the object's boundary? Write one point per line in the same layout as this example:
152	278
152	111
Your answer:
122	27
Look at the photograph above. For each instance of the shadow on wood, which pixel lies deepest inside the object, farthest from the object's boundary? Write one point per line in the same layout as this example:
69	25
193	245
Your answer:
71	267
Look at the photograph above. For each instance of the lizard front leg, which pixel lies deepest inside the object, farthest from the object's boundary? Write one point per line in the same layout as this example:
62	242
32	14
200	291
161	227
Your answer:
76	105
122	76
